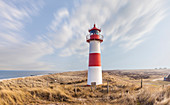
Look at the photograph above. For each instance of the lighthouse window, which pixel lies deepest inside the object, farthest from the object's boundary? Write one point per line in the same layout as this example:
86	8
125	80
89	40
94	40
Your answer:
94	32
91	32
97	32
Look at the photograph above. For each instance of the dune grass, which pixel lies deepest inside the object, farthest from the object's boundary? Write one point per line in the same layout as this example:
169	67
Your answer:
70	88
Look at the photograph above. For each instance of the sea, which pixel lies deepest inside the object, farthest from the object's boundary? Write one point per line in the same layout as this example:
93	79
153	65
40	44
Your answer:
9	74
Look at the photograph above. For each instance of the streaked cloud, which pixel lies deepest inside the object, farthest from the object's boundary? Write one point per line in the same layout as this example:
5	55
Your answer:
123	21
16	52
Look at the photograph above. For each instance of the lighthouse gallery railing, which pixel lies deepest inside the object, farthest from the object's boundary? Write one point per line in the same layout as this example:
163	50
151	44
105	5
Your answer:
100	37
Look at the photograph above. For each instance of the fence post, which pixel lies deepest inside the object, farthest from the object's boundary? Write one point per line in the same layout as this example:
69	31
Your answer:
141	82
75	88
107	86
47	83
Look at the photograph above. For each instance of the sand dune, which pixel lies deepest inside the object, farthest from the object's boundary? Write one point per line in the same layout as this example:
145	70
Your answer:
70	88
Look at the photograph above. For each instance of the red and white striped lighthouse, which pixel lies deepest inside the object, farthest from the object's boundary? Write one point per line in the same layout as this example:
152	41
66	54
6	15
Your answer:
95	68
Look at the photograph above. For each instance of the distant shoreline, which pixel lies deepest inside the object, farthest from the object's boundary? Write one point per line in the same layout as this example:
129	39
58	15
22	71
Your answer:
20	77
40	73
23	74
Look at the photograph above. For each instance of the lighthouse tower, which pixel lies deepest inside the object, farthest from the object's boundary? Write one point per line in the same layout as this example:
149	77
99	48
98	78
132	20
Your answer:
94	69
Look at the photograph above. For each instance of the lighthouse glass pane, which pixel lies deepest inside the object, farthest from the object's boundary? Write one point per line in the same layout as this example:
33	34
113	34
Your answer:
94	32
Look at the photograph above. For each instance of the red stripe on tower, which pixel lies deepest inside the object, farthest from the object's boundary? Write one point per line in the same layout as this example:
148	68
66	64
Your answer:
94	59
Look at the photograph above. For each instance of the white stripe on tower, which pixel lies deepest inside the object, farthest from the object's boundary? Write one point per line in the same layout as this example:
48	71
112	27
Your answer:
94	46
94	75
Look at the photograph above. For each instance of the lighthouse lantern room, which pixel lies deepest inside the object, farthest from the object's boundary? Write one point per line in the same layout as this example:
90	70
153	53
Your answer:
95	68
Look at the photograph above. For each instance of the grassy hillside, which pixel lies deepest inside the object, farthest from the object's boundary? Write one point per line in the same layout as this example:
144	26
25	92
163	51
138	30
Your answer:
70	88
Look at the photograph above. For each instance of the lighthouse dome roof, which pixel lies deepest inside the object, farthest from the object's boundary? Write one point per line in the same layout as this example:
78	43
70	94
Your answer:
94	28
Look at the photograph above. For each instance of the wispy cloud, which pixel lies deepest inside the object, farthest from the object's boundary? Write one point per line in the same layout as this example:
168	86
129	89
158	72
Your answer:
16	52
23	55
124	21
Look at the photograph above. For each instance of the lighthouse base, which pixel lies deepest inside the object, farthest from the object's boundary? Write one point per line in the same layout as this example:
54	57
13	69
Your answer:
94	75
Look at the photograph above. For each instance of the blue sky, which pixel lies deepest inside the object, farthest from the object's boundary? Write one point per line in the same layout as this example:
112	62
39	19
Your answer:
50	35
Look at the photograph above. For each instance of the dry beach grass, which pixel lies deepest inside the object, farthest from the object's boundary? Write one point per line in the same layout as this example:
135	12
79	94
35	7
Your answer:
70	88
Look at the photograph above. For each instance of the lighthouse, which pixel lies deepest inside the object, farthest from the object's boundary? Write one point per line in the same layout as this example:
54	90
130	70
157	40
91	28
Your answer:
94	68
